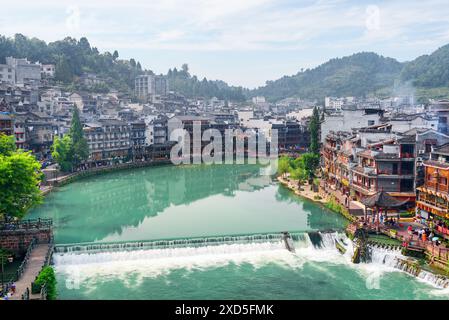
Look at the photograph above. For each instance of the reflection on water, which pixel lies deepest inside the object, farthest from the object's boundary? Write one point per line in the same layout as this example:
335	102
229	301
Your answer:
169	201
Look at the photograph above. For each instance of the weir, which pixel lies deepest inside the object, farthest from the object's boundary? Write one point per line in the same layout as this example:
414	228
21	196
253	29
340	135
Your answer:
319	240
67	255
392	257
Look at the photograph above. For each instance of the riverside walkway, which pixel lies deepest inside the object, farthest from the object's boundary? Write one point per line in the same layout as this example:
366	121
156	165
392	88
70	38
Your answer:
36	261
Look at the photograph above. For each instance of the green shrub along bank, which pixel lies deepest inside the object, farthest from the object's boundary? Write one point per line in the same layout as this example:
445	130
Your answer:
46	277
333	205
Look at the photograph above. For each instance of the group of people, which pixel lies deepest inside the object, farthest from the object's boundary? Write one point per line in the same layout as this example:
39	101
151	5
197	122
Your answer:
424	234
8	292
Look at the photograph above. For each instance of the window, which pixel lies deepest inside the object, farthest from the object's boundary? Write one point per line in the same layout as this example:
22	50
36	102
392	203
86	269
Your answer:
371	122
443	181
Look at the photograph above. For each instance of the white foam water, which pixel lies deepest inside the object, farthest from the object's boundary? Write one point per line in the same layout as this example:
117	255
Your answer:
89	262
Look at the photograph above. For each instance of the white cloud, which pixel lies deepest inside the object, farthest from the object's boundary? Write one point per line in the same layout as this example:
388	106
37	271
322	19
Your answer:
277	26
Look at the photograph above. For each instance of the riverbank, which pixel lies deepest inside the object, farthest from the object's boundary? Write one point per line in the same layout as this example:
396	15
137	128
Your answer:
383	240
327	200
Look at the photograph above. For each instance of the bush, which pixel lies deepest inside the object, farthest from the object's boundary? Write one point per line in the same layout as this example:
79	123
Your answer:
333	205
47	277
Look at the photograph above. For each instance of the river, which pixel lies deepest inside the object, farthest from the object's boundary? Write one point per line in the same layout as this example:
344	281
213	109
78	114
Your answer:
146	205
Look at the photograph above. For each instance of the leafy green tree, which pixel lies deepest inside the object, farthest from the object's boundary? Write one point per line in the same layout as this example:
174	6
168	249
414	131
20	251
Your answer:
7	145
298	174
63	70
19	182
309	162
283	165
79	143
47	277
314	128
62	152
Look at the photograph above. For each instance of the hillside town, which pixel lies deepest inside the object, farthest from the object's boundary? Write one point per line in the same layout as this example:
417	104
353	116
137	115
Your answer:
123	127
392	150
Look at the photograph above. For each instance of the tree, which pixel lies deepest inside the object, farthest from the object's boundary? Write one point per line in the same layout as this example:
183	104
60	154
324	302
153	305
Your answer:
314	128
19	182
298	174
62	152
63	70
309	163
283	165
7	144
80	147
47	277
115	55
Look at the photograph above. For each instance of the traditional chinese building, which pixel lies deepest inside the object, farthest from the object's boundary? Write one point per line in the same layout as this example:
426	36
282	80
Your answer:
433	196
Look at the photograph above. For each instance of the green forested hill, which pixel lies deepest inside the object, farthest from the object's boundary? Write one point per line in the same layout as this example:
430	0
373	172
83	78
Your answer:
360	74
74	57
363	74
429	71
355	75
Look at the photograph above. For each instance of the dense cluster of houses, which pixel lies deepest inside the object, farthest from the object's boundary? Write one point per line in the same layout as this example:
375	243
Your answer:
366	150
121	126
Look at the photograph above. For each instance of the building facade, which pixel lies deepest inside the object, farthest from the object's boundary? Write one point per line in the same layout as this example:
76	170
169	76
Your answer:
146	86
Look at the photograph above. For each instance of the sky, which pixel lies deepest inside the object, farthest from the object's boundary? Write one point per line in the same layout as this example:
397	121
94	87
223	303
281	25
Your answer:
243	42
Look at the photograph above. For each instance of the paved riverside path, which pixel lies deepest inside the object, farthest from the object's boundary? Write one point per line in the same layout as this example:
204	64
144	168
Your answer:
32	269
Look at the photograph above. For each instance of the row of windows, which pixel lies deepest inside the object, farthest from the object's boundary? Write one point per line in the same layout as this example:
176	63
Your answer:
108	145
108	136
441	180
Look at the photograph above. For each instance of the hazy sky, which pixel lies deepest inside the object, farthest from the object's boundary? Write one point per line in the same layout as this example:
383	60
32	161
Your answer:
244	42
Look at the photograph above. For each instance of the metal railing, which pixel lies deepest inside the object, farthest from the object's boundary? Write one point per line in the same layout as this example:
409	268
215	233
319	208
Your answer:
30	224
49	254
22	266
43	292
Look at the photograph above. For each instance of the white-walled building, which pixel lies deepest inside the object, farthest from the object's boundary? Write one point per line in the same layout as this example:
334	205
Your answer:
348	119
148	85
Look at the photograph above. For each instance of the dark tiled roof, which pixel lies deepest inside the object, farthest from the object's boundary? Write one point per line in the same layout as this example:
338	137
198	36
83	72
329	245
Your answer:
383	200
433	163
444	149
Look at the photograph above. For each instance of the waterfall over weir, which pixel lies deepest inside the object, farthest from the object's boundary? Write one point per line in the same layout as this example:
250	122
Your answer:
394	259
163	255
178	248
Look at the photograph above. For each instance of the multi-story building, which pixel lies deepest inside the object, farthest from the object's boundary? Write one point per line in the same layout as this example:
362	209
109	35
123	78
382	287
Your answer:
39	136
108	140
433	196
338	158
6	124
292	136
20	132
48	70
138	133
146	86
386	166
349	118
7	74
25	71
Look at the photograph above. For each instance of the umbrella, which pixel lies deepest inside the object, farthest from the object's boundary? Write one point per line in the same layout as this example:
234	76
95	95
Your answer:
435	238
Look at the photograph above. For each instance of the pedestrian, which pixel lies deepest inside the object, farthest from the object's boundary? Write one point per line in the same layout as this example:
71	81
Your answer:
410	230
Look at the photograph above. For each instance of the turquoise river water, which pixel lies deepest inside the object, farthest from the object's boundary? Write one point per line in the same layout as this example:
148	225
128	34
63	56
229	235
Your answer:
235	213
